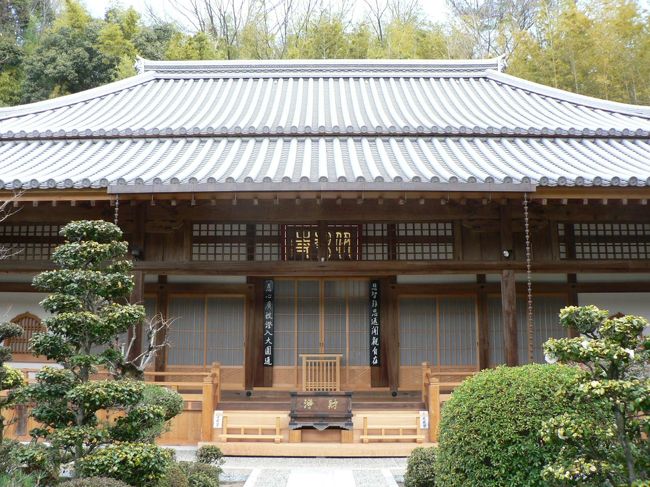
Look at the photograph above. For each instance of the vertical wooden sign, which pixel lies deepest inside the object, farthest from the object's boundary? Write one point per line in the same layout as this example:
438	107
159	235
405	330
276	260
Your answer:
268	323
375	356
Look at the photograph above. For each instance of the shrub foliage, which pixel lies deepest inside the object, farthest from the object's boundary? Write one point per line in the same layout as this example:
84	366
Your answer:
489	431
420	470
616	358
140	464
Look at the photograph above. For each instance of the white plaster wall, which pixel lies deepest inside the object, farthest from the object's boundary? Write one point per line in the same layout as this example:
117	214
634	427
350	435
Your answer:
626	303
13	304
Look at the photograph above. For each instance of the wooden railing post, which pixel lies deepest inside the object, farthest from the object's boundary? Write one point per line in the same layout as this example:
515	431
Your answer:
426	373
338	372
215	375
433	406
207	409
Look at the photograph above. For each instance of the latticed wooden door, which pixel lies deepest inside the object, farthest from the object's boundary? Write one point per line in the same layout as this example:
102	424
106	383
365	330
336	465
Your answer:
31	324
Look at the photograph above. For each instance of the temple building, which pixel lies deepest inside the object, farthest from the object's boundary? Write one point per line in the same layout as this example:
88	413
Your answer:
333	225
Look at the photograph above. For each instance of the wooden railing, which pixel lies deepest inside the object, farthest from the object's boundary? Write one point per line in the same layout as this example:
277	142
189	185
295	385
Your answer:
431	399
203	387
321	372
431	387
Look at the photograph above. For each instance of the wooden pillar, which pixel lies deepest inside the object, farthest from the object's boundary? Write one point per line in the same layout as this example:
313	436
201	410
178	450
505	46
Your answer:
162	299
572	298
137	244
482	323
137	297
509	313
392	337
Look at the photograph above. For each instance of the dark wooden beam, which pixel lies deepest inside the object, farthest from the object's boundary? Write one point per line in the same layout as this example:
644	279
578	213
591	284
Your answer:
482	323
199	288
357	268
509	313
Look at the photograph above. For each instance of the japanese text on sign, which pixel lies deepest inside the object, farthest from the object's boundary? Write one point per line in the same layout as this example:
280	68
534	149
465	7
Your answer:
268	323
375	357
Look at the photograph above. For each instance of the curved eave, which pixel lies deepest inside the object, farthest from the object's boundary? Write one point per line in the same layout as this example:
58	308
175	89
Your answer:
569	97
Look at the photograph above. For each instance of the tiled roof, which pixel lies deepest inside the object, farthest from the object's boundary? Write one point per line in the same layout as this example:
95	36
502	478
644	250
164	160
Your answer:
314	122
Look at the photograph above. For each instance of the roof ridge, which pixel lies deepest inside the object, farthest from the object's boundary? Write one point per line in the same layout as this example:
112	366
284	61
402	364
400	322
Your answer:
247	67
568	96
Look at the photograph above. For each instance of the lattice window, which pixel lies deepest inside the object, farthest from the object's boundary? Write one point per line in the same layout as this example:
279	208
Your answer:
408	241
425	241
30	324
228	242
603	241
301	242
375	241
29	242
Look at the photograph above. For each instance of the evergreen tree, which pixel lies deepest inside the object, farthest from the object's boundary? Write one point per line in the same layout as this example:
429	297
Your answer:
89	311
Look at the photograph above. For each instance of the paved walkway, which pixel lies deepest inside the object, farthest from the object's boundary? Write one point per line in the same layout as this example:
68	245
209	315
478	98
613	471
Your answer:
311	472
317	472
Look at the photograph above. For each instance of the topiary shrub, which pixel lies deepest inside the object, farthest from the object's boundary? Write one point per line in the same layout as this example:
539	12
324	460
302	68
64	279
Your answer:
140	464
95	482
175	477
201	474
489	430
209	454
171	401
420	468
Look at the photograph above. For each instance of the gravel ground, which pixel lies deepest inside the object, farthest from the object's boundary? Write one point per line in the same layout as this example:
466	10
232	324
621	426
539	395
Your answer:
290	472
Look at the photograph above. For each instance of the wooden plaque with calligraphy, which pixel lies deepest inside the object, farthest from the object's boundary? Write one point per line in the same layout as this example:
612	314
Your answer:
321	410
302	242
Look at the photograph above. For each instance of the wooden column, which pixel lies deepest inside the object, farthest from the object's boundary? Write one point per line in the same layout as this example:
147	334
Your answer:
509	312
162	299
137	297
482	323
392	336
572	298
137	242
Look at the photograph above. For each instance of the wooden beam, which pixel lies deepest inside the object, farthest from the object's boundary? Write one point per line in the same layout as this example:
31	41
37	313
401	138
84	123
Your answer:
199	288
482	323
509	313
356	268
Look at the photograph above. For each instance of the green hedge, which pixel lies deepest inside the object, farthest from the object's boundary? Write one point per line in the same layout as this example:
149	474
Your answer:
140	464
420	468
490	428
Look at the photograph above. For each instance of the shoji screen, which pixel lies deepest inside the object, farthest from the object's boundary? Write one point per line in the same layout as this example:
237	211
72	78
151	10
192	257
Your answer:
439	330
205	330
186	334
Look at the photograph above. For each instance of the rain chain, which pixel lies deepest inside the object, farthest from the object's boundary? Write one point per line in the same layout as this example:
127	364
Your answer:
117	209
529	314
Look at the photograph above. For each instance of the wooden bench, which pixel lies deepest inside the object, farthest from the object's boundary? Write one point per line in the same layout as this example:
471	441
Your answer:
251	427
393	427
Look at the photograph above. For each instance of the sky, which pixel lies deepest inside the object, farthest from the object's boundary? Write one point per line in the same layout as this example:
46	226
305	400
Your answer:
435	10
